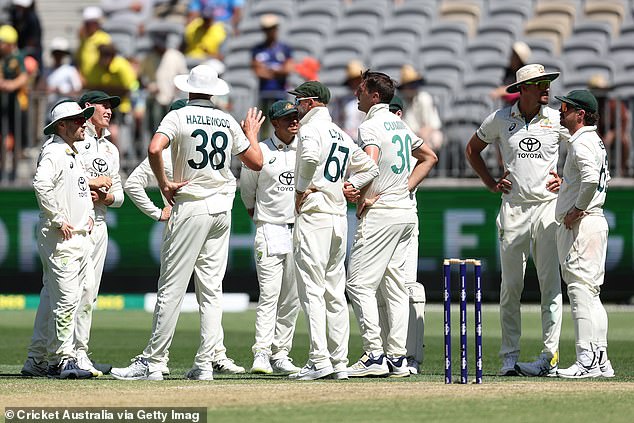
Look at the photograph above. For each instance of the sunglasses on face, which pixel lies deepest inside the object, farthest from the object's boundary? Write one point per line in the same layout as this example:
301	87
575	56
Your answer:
77	121
298	99
542	84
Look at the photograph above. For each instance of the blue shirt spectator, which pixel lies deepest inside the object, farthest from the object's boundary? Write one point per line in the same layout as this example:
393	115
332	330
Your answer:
229	11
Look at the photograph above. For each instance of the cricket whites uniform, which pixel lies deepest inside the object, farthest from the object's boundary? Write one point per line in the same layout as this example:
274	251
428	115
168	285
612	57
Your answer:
324	154
379	251
62	191
202	139
140	178
101	158
582	249
270	192
526	222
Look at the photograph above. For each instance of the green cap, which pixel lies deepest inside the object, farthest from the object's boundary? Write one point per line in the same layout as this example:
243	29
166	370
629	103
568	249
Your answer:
281	108
396	104
93	97
580	99
312	89
178	104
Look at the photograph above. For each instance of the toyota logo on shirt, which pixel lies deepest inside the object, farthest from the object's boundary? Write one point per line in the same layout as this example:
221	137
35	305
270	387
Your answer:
286	179
530	148
82	183
100	165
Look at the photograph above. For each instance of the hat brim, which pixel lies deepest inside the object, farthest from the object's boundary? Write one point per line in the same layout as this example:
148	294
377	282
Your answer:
219	88
113	99
574	103
86	114
514	88
285	113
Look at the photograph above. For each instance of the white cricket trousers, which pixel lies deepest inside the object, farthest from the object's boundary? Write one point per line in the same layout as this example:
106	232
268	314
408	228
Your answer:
66	268
88	300
278	303
525	229
582	253
194	241
319	241
417	300
377	263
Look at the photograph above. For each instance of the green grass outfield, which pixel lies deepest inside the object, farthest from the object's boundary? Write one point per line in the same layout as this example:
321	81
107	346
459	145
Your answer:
118	336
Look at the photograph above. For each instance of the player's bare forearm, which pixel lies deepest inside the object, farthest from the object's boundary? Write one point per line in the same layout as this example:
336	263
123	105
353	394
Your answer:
427	159
251	125
474	157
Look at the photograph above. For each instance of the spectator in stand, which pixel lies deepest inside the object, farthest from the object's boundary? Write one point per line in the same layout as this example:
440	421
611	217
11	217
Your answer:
91	36
138	11
308	69
272	62
421	114
520	53
229	12
350	116
115	75
14	81
25	20
204	36
614	125
156	73
62	78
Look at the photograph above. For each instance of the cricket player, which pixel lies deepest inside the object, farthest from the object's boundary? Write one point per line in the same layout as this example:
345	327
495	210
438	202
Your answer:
268	196
387	222
202	139
528	134
135	186
101	158
324	154
66	219
582	236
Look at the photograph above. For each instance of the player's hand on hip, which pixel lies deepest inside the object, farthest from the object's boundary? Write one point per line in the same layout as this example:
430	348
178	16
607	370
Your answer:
350	192
503	185
300	197
554	183
365	204
573	216
91	225
67	231
170	189
252	122
165	213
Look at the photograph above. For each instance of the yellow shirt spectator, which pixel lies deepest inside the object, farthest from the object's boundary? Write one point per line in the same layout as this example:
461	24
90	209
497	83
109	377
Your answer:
114	75
88	51
203	38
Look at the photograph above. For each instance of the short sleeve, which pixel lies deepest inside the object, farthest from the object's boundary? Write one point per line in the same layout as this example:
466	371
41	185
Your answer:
169	125
488	132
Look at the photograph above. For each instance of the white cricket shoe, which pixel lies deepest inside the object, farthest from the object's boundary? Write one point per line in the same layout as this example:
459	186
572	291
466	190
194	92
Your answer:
84	363
604	364
261	363
545	365
284	365
164	369
310	372
200	374
398	366
508	365
339	372
413	365
138	370
368	365
34	368
579	371
227	366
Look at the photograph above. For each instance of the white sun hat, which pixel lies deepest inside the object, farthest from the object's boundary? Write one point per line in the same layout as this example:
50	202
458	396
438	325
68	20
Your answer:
67	109
202	79
532	72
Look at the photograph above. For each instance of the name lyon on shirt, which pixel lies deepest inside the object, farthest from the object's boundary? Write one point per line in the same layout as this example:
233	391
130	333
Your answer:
207	120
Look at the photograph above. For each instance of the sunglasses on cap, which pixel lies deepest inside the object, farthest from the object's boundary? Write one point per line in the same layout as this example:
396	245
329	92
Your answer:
298	99
541	84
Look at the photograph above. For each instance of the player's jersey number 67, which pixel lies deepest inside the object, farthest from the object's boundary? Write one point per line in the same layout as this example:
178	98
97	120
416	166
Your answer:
217	156
336	163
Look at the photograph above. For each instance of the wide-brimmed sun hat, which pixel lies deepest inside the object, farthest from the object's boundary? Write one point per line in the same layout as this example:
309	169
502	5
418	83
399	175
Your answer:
67	109
202	79
528	73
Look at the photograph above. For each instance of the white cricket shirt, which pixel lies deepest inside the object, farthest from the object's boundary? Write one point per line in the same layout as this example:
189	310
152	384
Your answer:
324	154
61	186
395	141
203	139
530	151
101	158
271	190
586	174
140	178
